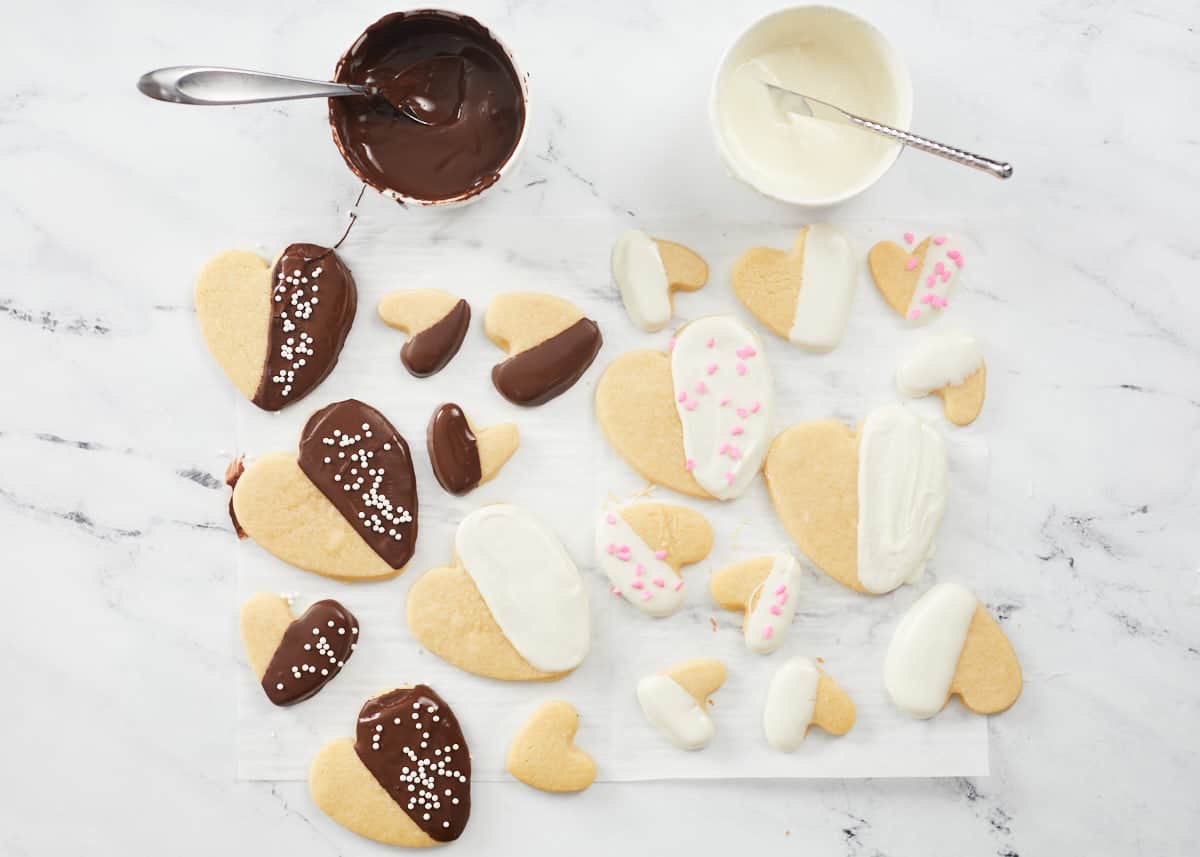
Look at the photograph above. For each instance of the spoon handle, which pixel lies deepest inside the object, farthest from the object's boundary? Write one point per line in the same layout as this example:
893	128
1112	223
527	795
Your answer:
198	84
998	169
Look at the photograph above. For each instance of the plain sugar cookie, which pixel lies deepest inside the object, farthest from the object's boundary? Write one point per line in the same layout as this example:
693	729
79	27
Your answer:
550	345
676	701
345	506
803	295
949	363
863	505
642	547
464	457
649	271
801	695
947	644
543	753
276	330
512	606
916	283
768	590
436	323
405	778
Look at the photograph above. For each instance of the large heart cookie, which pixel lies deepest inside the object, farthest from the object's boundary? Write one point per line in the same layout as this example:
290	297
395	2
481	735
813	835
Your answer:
863	506
405	778
649	271
947	644
276	330
345	507
549	343
512	605
768	590
463	456
436	323
950	364
294	658
543	753
697	420
676	701
803	295
916	283
801	695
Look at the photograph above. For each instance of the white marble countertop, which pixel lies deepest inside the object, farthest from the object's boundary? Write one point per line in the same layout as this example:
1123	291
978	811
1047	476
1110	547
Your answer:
118	696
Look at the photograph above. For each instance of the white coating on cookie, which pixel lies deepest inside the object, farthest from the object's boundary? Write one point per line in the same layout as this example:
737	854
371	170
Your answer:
635	570
828	276
791	701
725	398
902	482
674	712
529	583
641	277
924	652
775	601
945	358
938	276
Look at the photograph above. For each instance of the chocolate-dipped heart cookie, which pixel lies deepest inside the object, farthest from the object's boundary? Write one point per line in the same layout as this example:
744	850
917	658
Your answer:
345	507
549	342
276	331
436	323
462	456
295	658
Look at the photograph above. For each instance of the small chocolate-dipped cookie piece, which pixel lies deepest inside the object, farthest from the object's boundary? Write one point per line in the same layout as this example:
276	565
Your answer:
436	323
463	457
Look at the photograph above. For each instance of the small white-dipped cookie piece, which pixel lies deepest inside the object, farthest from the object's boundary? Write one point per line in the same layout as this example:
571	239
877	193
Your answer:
649	271
801	695
676	701
917	281
949	363
767	588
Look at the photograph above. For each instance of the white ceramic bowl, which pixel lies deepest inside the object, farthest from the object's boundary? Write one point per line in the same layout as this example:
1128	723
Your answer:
827	53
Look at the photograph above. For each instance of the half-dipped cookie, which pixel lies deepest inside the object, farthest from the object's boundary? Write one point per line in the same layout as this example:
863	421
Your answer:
276	330
464	457
436	323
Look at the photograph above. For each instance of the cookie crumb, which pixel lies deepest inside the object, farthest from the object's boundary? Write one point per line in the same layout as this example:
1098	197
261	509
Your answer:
713	621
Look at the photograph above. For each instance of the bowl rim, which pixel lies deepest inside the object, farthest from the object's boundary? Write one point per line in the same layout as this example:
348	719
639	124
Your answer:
901	81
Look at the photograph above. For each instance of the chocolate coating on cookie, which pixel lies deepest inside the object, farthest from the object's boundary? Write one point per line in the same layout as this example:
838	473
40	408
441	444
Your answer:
313	650
429	350
362	465
410	741
453	450
313	300
550	368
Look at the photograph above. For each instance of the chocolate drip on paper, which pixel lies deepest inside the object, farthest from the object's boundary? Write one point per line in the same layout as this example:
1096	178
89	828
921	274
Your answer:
431	349
313	650
537	375
453	450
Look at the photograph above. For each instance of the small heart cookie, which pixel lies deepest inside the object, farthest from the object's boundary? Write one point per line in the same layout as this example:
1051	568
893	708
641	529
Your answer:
344	507
276	330
405	778
294	658
803	295
436	323
863	506
549	342
767	588
699	420
543	753
801	695
511	607
949	363
946	644
462	456
916	283
676	701
641	548
649	271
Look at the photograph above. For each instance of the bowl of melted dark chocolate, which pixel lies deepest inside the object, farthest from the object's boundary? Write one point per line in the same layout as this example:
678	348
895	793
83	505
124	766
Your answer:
444	116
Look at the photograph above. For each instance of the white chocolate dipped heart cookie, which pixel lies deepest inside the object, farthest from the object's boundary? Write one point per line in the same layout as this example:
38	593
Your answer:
767	588
511	606
917	282
801	695
696	420
950	364
436	323
948	644
648	272
863	505
543	754
676	701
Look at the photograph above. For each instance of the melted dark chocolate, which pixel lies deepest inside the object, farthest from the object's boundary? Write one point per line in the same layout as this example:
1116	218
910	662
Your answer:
430	350
313	300
479	99
410	741
537	375
453	451
313	650
362	465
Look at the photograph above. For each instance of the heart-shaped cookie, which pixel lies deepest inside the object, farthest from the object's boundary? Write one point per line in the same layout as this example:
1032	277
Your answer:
676	701
803	295
345	507
405	778
294	658
767	588
947	644
863	506
642	547
276	331
801	695
512	605
543	753
464	457
649	271
697	421
950	364
550	345
436	323
916	282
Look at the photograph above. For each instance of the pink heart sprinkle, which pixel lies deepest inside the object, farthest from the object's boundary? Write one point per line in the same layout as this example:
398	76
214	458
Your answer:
735	453
911	263
940	240
711	342
612	549
736	430
725	401
660	554
712	368
781	589
646	596
945	276
929	284
909	237
914	314
729	477
783	598
615	591
928	297
741	368
941	303
929	281
623	553
611	518
722	449
689	465
670	345
639	569
678	585
775	611
682	395
659	582
767	632
958	261
701	387
691	406
954	254
743	413
754	406
637	584
939	268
